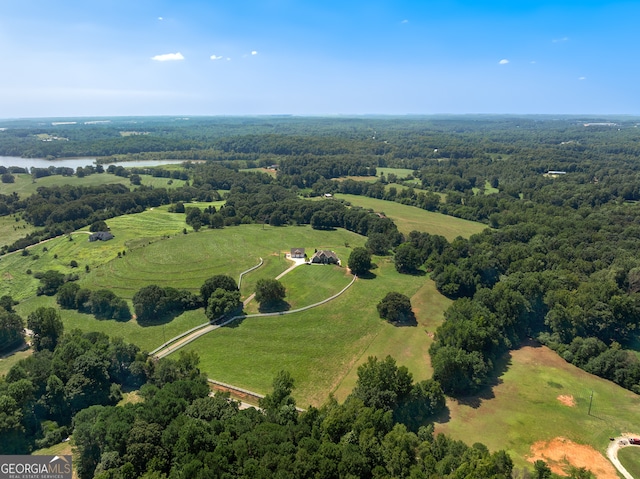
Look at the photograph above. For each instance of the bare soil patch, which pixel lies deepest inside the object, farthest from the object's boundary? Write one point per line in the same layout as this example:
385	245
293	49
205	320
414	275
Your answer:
567	400
560	453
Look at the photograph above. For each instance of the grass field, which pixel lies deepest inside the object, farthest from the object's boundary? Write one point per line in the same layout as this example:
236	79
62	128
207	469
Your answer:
321	347
523	406
25	186
309	284
12	230
410	218
630	459
399	172
7	362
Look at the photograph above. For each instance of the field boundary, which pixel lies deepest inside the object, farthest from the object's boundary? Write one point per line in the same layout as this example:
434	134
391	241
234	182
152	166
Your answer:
249	271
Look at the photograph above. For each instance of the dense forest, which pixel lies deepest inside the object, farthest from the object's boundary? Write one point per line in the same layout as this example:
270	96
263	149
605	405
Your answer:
557	263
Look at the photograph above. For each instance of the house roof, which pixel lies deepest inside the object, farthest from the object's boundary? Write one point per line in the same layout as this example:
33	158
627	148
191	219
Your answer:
325	254
101	235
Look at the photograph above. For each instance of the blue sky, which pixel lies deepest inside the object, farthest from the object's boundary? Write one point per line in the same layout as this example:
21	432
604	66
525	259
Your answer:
192	57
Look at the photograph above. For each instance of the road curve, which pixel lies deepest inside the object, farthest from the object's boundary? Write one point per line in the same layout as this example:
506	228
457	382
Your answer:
612	454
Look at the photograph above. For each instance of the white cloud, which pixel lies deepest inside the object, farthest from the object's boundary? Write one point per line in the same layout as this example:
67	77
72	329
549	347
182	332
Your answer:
214	57
160	18
254	52
504	61
168	57
582	78
560	40
405	21
533	62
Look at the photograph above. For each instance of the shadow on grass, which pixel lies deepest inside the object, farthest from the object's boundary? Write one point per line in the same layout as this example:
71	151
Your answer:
367	275
410	321
495	378
274	307
442	417
415	272
159	320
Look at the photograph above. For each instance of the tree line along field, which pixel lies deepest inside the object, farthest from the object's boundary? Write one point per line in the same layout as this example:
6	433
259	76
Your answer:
411	218
322	347
537	396
557	259
24	184
157	252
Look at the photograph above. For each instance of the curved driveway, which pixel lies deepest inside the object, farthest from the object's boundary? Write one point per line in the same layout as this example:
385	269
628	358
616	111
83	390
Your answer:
612	454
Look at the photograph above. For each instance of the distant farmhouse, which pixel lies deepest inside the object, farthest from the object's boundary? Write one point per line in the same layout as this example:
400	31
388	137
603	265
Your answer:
101	236
325	257
297	253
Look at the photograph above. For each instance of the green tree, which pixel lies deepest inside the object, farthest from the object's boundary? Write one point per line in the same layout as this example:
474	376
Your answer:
395	308
222	302
50	281
279	406
458	371
11	330
407	258
8	178
47	328
146	302
7	303
541	470
359	261
382	384
378	243
66	296
99	225
219	281
269	291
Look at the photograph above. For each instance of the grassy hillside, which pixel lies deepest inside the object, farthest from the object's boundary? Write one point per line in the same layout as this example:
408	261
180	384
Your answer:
409	218
524	406
322	347
12	230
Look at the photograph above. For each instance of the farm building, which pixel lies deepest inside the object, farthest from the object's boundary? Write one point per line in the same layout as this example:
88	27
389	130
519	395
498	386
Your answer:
101	236
297	253
325	257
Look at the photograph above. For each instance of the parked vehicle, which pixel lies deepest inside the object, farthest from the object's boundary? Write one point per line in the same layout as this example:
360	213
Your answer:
634	440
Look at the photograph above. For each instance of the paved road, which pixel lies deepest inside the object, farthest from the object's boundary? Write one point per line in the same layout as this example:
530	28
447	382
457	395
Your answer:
612	454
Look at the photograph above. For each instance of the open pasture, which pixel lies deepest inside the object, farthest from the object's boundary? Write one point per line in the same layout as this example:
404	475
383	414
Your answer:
186	261
399	172
12	230
322	346
539	397
25	186
410	218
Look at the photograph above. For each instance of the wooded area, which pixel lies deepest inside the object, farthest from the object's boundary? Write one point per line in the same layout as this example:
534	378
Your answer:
557	263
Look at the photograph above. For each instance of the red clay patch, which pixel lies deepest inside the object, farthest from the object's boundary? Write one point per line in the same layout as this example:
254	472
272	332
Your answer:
567	400
560	453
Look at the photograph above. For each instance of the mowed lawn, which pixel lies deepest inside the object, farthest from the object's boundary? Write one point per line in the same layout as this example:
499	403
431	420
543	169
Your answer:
410	218
309	284
630	459
523	407
321	347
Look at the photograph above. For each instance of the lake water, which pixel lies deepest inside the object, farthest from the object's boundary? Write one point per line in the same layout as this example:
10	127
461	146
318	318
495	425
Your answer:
74	162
